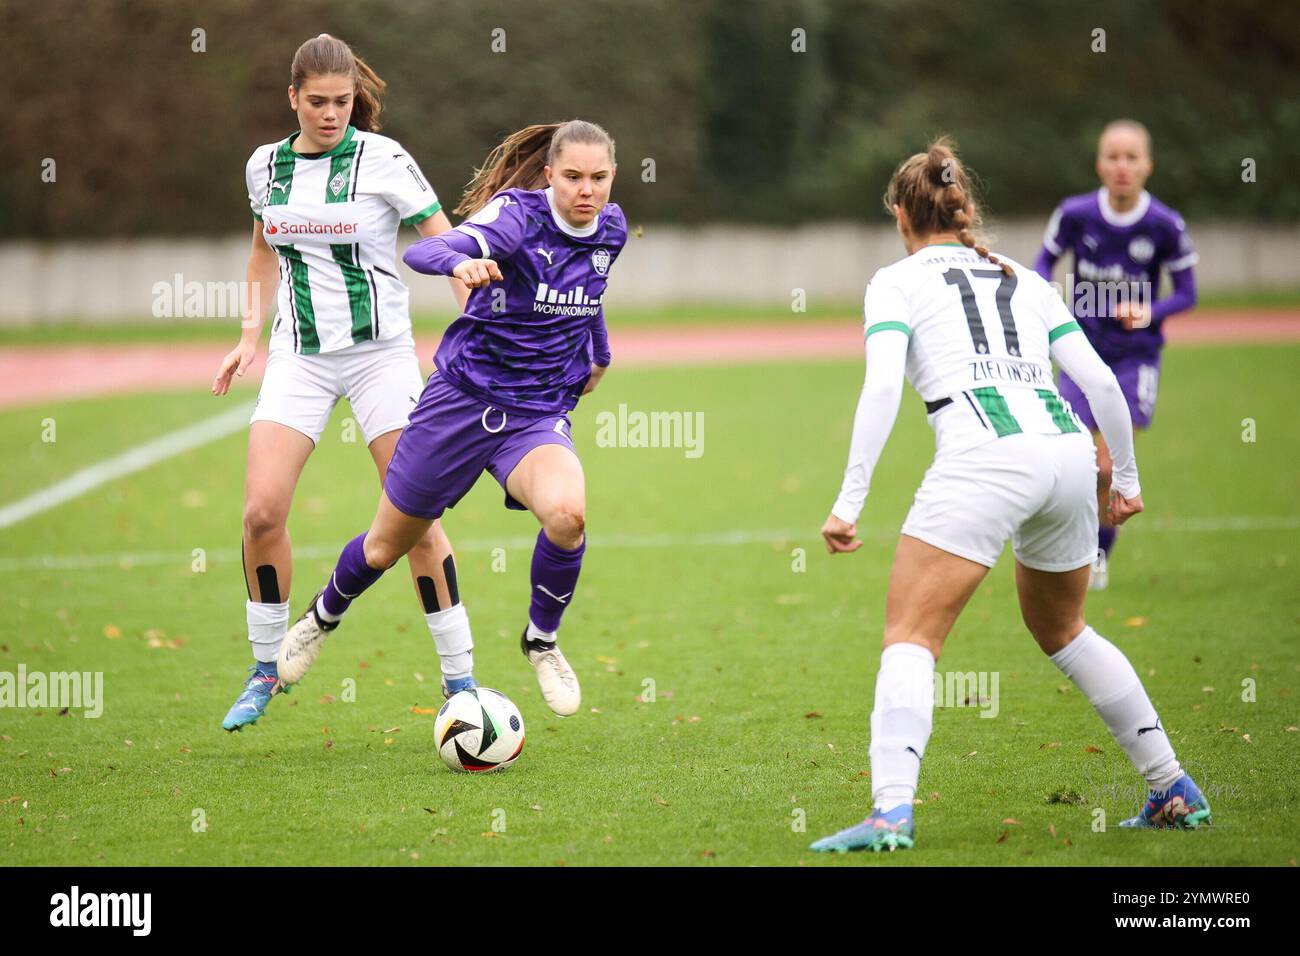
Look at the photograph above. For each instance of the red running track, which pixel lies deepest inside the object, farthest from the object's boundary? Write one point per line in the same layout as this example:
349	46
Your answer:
33	374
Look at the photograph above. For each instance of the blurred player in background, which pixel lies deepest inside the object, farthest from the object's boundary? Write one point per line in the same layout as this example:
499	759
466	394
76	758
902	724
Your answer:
537	251
976	334
1121	238
327	204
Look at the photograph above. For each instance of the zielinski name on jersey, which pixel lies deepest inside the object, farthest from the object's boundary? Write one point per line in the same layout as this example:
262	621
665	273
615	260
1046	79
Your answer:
319	226
993	371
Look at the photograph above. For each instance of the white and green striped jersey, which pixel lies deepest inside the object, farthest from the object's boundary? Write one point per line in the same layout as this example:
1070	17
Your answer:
333	219
978	339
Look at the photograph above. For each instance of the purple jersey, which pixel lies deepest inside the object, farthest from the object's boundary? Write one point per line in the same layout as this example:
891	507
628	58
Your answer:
527	344
1118	257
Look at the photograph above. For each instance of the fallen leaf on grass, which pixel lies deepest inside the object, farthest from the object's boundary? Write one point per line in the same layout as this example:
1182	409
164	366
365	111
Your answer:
1135	622
112	632
659	800
971	754
812	715
424	710
1003	838
1090	749
392	730
1050	746
328	699
1011	821
1051	828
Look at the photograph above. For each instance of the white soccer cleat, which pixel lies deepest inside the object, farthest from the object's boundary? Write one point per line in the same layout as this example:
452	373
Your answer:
1100	577
556	678
302	644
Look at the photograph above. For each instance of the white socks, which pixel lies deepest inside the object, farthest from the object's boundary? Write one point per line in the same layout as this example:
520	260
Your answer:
1108	680
452	638
267	625
535	633
900	723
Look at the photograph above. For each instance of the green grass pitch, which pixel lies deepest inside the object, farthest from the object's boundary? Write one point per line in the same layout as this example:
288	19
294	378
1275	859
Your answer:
762	656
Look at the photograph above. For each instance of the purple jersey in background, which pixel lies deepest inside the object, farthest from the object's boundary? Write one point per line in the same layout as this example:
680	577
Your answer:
527	343
1112	251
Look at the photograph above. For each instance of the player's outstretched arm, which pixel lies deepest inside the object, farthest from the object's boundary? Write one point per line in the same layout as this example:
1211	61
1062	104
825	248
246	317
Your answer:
437	225
261	279
1079	360
882	391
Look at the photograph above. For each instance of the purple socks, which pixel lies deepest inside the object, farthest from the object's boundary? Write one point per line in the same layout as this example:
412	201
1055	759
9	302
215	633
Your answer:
554	578
351	576
1106	537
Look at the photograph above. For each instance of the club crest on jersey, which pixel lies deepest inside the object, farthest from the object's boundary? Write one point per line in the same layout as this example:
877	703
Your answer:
600	261
1141	249
338	183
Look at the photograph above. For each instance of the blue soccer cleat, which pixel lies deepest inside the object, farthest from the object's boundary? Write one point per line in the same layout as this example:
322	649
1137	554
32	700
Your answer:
262	684
1182	806
880	831
453	687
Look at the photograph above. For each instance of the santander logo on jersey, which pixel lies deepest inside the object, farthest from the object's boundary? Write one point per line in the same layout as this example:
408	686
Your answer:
285	229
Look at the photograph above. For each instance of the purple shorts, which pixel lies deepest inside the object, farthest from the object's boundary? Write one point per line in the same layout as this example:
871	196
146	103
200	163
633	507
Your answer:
452	438
1139	379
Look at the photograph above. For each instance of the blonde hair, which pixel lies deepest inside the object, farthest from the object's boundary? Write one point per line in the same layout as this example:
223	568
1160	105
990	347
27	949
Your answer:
520	160
1129	124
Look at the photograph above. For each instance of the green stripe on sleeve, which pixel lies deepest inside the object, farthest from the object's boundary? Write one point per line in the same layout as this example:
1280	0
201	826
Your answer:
300	284
354	278
1060	330
887	326
995	407
257	216
422	215
1060	417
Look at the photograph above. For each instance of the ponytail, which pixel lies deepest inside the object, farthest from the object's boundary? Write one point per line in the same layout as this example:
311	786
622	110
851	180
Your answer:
934	190
522	157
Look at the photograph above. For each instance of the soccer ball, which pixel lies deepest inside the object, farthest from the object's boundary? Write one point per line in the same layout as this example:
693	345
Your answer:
478	730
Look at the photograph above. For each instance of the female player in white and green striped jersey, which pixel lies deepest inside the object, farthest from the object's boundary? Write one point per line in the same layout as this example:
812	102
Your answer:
976	335
327	204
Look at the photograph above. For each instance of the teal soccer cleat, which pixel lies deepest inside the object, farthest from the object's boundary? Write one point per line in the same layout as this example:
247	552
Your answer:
1182	806
262	684
880	831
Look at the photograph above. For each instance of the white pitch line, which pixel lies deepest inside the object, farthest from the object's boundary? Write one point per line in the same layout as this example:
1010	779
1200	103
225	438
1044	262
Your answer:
136	459
130	559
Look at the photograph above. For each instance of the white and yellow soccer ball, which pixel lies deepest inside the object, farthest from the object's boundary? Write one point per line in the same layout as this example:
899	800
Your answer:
478	730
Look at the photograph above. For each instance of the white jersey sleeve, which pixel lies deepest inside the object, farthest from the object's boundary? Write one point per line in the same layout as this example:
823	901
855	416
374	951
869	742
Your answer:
885	312
403	185
257	177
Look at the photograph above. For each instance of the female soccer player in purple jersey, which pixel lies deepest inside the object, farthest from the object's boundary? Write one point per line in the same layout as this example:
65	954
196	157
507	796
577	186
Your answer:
1121	237
327	204
976	334
532	340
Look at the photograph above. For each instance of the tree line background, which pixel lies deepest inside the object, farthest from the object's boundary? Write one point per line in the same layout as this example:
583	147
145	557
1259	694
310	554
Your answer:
151	138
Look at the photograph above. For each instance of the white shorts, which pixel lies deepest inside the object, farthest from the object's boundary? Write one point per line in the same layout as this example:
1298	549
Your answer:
380	380
1038	490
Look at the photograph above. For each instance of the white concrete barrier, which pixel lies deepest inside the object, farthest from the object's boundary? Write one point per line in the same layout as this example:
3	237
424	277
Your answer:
126	279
